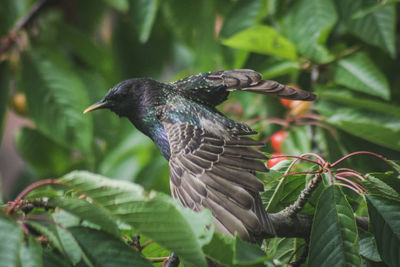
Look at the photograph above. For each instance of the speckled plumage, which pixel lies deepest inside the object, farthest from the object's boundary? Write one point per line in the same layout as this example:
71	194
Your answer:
212	162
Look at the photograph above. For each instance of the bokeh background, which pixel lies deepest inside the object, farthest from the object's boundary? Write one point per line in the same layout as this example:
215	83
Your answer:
58	57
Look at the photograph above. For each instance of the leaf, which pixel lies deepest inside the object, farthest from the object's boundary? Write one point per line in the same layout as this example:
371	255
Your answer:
307	25
285	249
368	247
280	68
68	242
247	253
143	14
155	215
359	73
264	40
220	249
377	128
83	47
31	253
54	160
377	187
384	215
348	98
56	98
243	15
333	240
4	90
48	231
88	211
119	163
377	28
297	141
111	252
11	236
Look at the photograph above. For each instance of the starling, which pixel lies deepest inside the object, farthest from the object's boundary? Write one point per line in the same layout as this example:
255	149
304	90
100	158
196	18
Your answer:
211	158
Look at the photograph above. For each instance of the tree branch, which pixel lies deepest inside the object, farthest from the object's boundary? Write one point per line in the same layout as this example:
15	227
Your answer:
300	225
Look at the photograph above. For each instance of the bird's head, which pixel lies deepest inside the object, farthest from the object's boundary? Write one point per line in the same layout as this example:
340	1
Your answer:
124	99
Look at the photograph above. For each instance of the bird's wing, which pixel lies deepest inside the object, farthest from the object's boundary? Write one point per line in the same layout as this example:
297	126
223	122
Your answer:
219	83
217	174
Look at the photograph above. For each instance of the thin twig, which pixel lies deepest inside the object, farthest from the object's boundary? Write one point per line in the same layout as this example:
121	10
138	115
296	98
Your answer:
27	190
8	40
359	153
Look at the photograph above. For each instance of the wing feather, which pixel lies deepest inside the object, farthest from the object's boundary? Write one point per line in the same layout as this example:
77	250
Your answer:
218	174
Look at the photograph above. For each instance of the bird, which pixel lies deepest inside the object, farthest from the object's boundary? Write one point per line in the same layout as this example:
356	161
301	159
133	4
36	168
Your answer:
212	159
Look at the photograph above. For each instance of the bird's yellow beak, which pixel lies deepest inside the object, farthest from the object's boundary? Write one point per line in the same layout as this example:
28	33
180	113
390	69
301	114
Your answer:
98	105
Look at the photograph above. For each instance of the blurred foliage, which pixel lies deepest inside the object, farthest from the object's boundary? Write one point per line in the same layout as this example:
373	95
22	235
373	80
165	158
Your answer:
71	52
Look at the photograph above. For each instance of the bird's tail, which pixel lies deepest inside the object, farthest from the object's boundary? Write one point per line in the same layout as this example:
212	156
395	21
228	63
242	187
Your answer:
251	81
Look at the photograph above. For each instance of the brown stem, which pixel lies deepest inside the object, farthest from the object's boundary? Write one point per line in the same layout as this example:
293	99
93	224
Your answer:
8	40
27	190
297	157
300	225
300	202
359	153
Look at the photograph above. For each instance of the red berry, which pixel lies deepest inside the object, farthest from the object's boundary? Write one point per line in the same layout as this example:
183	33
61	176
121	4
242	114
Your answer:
286	102
273	161
277	139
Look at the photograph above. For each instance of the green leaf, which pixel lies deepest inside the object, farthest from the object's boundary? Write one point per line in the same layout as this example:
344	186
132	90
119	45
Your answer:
106	250
143	14
155	215
11	236
395	164
243	14
220	249
56	98
4	88
84	48
350	99
376	186
285	249
68	242
377	128
359	73
377	28
280	68
31	253
120	162
247	253
264	40
333	240
368	247
307	25
48	231
88	211
54	160
297	141
285	192
384	215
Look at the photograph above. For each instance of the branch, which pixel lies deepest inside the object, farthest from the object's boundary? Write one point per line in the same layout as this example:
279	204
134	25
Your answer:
300	225
7	41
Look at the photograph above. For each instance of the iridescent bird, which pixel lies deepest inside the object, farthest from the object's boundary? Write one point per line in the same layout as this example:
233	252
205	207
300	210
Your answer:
211	158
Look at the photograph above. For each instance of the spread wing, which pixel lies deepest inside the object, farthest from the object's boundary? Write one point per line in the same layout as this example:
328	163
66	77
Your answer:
218	84
206	171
